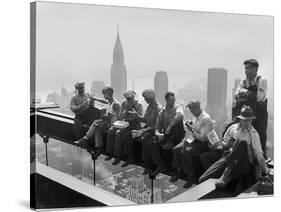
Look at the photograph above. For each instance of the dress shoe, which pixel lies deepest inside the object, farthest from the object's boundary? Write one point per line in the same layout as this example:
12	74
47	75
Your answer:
160	168
83	142
109	157
127	163
190	181
147	171
224	179
187	184
116	161
174	178
98	152
168	145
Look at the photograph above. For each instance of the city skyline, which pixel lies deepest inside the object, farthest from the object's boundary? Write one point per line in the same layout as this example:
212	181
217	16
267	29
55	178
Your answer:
151	41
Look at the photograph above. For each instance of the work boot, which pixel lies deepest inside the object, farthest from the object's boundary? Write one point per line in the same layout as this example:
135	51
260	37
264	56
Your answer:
147	170
190	181
224	179
83	142
159	168
116	161
127	163
98	152
174	178
168	145
109	157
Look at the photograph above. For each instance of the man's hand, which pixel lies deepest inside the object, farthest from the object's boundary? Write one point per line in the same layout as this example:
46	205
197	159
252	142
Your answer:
160	136
168	130
184	146
188	126
230	142
84	104
105	116
266	171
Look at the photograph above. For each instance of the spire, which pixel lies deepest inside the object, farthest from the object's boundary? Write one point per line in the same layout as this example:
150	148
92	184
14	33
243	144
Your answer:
118	55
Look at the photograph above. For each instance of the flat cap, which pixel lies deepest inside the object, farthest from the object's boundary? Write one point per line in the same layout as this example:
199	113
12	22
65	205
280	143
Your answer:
79	85
149	93
253	62
193	104
129	94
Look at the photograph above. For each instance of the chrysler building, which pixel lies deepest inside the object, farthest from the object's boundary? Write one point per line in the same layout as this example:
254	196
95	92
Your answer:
118	70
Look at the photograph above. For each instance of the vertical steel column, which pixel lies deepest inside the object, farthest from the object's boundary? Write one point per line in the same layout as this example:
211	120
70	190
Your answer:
94	174
151	195
94	158
46	141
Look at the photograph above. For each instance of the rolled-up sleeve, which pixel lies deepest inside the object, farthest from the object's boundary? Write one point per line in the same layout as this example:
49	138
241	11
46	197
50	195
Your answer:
179	110
262	90
206	126
230	132
256	144
159	121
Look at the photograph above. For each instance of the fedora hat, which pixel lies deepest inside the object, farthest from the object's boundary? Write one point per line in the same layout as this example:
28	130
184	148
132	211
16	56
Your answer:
246	113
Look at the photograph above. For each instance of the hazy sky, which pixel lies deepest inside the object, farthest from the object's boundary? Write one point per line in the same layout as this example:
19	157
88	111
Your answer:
75	43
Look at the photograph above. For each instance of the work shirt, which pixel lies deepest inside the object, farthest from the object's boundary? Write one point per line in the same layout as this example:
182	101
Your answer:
202	125
166	115
250	135
151	114
261	87
130	106
109	110
75	103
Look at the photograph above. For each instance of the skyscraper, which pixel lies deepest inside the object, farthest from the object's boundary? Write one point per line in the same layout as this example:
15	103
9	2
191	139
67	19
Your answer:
161	86
139	193
236	83
97	87
217	93
118	70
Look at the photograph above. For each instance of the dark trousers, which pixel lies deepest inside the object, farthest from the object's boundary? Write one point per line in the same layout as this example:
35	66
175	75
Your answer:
97	128
130	142
195	149
78	128
120	136
237	161
152	152
260	124
178	156
114	141
110	138
149	150
209	158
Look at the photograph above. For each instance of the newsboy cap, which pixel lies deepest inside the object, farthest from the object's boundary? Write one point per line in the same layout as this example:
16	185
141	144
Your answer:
129	94
148	93
79	85
252	62
193	104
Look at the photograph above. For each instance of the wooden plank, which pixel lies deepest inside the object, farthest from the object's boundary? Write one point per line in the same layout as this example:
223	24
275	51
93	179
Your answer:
196	192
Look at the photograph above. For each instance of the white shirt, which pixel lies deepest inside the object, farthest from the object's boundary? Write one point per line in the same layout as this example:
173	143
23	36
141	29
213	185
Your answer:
202	125
250	135
261	84
109	110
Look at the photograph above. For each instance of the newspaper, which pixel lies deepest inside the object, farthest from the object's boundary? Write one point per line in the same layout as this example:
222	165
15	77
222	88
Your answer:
213	138
121	124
